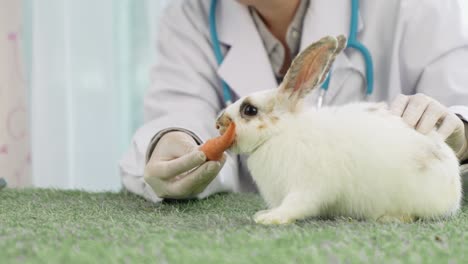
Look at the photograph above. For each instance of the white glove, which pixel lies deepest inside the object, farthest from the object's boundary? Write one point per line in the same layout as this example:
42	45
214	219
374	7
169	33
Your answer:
177	169
425	114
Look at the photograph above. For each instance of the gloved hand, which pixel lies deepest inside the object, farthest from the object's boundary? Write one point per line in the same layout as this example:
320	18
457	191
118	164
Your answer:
425	113
177	169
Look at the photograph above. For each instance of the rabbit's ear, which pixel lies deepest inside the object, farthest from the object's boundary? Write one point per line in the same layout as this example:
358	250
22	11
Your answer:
310	68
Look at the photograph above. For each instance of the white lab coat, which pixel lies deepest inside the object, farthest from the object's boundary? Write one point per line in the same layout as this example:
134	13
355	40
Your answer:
418	46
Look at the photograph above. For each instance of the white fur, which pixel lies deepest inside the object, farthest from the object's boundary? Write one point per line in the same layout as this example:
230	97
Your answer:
355	161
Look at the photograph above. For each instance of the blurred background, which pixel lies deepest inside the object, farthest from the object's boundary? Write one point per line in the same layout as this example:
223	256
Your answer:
72	78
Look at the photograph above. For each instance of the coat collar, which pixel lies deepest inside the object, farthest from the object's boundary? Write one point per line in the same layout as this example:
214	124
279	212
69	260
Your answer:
246	67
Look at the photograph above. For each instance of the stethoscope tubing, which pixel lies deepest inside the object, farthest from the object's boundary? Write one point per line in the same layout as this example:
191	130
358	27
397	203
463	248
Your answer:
352	43
217	50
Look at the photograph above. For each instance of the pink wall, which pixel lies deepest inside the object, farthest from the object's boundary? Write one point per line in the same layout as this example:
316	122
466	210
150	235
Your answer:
15	154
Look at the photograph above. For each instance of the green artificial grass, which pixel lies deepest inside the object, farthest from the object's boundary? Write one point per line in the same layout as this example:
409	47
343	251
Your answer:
49	226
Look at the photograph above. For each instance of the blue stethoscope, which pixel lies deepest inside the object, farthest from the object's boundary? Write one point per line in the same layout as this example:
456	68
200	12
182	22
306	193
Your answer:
352	43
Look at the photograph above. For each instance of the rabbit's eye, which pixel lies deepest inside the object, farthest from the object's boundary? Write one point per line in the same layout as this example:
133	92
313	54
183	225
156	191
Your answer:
250	110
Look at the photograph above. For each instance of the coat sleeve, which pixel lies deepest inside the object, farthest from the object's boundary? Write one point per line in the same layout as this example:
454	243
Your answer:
183	94
435	52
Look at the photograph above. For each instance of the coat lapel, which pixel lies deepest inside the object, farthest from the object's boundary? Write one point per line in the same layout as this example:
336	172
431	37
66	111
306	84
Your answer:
246	67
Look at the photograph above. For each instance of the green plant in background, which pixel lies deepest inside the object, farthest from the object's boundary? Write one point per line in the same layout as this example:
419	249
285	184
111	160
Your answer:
3	183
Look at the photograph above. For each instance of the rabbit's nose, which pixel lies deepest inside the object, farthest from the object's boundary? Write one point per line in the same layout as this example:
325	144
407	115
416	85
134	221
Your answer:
223	121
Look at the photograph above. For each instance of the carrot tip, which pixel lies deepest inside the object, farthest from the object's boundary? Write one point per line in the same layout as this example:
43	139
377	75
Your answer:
215	147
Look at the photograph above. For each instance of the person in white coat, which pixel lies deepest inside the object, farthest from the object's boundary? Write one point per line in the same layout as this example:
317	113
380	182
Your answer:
420	57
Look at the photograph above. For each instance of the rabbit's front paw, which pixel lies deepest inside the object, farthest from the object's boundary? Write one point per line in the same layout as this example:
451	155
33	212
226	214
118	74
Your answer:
272	217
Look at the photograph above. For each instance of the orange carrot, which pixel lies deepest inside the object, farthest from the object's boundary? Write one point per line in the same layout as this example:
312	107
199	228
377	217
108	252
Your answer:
214	148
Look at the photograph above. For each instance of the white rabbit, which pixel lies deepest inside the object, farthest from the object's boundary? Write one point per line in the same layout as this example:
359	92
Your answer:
356	160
